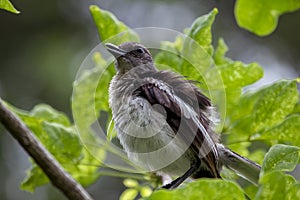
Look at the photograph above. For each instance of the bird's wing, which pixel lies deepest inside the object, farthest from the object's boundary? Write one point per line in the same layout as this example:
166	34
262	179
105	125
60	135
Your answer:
191	124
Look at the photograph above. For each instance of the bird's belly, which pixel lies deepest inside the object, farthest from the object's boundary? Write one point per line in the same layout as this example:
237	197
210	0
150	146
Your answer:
157	153
149	141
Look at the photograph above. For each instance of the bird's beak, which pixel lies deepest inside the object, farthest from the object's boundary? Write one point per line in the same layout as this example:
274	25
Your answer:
115	50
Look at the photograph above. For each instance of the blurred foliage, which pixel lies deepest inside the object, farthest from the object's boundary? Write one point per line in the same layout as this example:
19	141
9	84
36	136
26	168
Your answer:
250	116
7	5
261	17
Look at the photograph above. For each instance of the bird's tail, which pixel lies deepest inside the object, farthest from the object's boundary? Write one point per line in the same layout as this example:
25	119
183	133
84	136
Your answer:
244	167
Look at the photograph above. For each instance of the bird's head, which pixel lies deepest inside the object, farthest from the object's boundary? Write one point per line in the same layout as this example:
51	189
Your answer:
130	55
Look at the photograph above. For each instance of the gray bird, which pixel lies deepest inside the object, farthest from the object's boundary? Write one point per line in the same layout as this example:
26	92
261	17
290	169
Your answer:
164	122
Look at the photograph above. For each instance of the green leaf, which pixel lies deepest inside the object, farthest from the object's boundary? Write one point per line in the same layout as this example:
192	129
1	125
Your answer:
197	49
200	30
297	107
234	76
237	74
190	55
273	185
260	110
243	107
281	157
239	118
251	191
47	113
241	147
35	178
202	188
287	131
166	195
62	142
294	192
168	57
219	54
59	136
7	5
109	26
54	130
90	94
274	104
261	17
90	99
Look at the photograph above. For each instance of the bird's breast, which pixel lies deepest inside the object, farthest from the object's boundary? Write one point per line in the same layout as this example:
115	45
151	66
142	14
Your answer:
147	139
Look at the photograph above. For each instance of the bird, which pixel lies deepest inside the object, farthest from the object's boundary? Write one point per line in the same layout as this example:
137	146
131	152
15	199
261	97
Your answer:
165	123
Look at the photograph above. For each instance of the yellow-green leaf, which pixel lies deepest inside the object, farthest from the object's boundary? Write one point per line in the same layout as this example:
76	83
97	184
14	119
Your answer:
202	189
261	16
7	5
281	157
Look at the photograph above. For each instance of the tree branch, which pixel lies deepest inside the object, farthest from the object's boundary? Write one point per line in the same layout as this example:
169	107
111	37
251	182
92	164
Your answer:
59	178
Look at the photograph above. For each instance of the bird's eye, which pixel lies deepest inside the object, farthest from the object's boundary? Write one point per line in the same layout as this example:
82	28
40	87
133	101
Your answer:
140	50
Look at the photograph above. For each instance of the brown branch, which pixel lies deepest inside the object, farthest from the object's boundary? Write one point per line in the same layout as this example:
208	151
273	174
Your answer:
59	178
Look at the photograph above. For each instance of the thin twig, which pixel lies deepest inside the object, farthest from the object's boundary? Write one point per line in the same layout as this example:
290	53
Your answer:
59	178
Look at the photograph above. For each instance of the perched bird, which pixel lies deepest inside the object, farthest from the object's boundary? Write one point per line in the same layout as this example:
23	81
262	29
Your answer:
163	121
